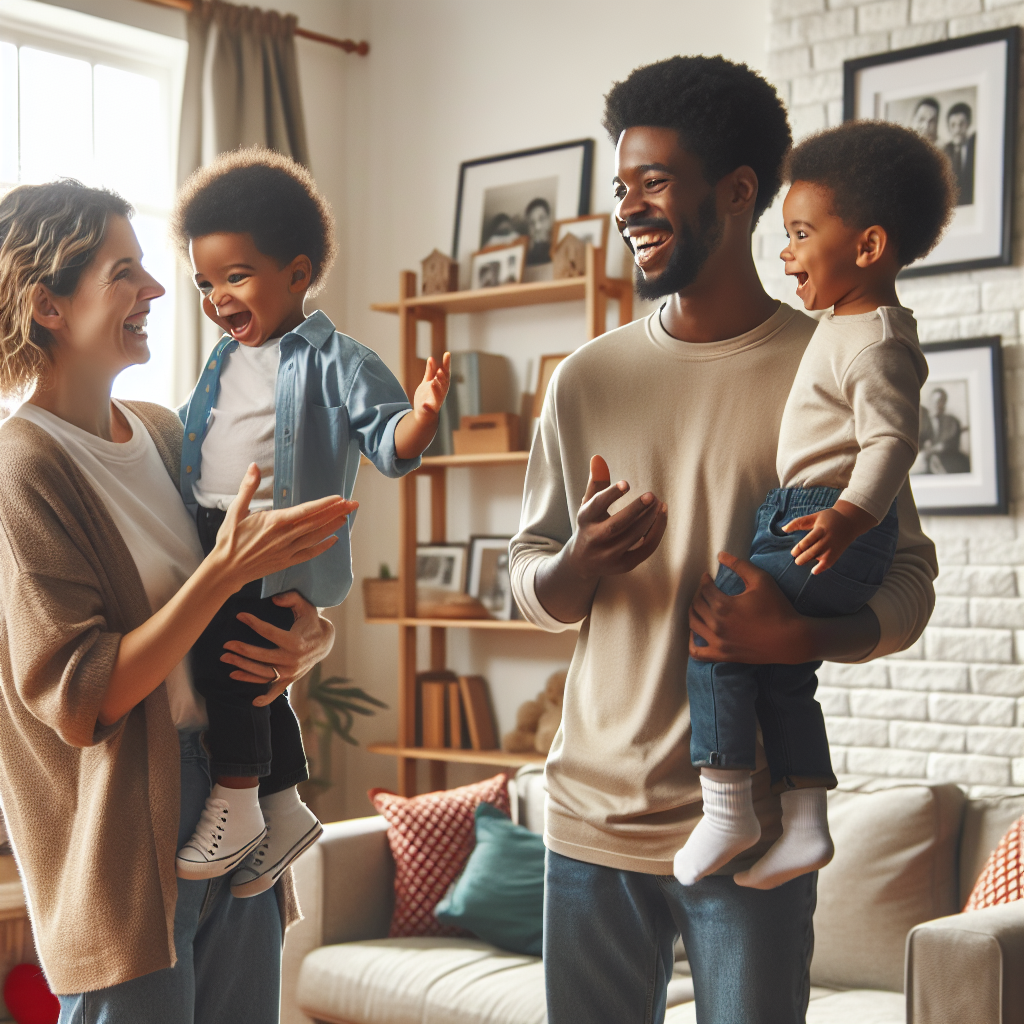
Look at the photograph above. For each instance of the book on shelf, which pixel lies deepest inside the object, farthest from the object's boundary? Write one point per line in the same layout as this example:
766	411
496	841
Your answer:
458	728
476	703
429	711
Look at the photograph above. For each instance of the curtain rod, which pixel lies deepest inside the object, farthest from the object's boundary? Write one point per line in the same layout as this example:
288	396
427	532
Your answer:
361	48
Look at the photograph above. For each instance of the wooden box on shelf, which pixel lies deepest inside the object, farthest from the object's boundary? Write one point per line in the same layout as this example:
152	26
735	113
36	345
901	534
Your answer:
381	598
486	434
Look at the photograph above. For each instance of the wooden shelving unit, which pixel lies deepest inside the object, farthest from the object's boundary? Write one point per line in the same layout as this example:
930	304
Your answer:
593	289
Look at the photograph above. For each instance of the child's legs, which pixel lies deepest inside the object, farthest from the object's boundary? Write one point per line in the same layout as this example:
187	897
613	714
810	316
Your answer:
288	767
722	695
239	734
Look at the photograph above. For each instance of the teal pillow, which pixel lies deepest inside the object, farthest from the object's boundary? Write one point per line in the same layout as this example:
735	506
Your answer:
499	896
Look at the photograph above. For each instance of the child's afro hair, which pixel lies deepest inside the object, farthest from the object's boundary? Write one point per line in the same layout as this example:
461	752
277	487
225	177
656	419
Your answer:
724	114
881	173
262	193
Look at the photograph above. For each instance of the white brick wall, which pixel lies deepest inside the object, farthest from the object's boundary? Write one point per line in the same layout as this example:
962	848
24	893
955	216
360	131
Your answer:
952	707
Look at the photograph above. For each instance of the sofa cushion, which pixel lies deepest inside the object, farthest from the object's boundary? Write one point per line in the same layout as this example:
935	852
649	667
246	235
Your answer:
828	1007
1002	881
421	981
431	837
500	895
894	867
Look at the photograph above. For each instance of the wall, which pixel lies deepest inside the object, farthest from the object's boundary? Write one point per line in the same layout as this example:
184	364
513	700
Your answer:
448	81
952	707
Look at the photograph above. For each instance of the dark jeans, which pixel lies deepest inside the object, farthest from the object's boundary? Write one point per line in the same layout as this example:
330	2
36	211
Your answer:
608	938
727	701
243	739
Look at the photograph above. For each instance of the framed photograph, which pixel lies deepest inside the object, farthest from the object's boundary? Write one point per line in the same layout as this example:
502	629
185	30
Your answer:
489	581
961	466
503	197
498	264
547	368
442	566
593	229
961	94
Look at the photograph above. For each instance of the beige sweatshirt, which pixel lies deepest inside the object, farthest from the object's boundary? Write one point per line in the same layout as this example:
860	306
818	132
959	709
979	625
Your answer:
697	424
852	418
92	811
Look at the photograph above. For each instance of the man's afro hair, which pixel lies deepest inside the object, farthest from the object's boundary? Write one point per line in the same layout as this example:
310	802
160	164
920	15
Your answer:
724	114
259	192
881	173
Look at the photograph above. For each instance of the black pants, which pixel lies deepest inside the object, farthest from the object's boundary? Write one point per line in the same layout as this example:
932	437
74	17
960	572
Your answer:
243	739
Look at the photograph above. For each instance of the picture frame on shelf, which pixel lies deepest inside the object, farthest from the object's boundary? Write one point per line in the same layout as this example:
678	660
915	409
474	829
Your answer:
497	265
517	194
442	566
961	465
488	577
961	94
548	365
592	228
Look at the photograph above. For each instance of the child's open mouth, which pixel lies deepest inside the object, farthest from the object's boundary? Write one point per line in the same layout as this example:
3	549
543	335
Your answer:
647	244
238	322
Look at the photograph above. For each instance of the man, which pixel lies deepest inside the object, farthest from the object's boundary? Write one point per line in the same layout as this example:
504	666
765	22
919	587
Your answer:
960	150
926	119
940	437
538	225
686	406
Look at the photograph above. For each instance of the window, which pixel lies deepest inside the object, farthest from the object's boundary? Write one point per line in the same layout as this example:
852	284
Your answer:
95	100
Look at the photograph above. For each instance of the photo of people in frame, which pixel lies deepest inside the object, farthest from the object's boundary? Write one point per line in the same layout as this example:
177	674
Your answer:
944	440
524	208
946	119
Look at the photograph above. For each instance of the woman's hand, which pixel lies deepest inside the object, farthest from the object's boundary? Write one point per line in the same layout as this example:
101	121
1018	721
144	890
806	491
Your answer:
298	649
761	627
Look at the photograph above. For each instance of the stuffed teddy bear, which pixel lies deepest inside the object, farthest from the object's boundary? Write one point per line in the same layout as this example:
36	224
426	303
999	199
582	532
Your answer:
537	720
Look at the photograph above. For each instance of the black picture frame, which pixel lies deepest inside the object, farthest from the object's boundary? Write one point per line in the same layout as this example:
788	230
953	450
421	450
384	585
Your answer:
986	423
466	168
1010	39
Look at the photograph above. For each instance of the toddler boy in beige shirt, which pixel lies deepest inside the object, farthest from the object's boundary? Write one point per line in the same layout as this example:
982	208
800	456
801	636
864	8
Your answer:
867	198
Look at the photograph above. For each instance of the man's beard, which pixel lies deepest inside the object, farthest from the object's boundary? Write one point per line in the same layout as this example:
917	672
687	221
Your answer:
690	253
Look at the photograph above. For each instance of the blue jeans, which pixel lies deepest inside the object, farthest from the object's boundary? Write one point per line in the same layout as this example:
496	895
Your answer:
229	950
608	938
727	701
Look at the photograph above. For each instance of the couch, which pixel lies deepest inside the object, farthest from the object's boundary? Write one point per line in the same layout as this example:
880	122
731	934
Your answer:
890	945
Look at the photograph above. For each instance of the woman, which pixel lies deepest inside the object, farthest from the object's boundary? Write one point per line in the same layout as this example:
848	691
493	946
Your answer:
103	590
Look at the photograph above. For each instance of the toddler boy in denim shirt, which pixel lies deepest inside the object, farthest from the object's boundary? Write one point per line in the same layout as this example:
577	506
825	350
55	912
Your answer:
300	401
867	198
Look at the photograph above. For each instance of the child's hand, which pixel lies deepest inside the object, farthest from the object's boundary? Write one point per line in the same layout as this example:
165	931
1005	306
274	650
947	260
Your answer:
831	532
430	394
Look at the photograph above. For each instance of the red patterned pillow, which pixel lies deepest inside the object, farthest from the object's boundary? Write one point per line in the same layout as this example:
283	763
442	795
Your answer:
1002	881
431	837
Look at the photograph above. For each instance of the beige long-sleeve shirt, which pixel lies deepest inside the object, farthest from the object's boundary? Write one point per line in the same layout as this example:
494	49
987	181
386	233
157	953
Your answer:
853	415
92	810
697	424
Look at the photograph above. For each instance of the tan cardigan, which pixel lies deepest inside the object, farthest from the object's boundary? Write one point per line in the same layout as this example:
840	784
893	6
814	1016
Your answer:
92	811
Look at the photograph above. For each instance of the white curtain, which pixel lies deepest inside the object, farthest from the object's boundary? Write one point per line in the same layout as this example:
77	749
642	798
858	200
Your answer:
241	89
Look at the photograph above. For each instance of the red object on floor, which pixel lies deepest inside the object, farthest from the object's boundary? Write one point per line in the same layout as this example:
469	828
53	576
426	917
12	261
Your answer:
28	997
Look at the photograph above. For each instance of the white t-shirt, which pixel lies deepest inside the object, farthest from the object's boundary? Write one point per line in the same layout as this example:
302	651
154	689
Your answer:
147	510
241	429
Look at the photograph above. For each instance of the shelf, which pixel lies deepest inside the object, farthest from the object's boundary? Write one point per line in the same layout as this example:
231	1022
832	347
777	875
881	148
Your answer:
501	758
486	459
513	624
506	296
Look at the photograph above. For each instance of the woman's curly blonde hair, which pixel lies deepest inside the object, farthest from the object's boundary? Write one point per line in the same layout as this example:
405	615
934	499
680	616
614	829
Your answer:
48	235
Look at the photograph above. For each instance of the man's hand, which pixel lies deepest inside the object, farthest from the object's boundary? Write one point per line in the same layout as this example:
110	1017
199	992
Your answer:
416	429
603	545
298	649
761	627
830	532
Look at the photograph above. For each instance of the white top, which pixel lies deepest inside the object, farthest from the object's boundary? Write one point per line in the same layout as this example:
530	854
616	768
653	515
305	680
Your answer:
133	483
241	428
853	414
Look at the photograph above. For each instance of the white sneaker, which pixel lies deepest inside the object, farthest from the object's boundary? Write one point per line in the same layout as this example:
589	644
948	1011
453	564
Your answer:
230	828
291	828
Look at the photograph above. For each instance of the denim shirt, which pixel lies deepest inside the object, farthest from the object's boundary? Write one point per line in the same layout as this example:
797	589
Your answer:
335	399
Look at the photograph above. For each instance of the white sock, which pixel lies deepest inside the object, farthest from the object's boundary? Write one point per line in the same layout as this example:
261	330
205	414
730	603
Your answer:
283	802
804	845
729	825
242	800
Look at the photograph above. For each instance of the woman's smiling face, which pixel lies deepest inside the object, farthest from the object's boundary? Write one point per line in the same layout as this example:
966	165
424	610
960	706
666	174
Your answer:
102	324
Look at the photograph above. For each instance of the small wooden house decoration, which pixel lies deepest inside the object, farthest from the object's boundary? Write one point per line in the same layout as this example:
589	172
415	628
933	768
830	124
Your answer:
569	258
440	274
